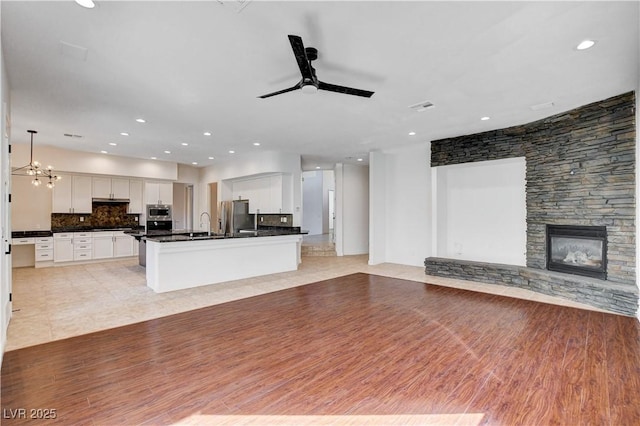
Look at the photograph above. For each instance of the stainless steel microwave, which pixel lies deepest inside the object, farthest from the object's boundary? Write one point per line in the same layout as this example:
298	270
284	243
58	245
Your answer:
158	212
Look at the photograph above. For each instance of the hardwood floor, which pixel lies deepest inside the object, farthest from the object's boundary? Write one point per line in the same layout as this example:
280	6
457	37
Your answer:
358	349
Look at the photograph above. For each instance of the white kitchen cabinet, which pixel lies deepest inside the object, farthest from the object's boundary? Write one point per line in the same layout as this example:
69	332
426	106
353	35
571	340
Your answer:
63	247
72	194
120	188
105	187
135	196
102	245
122	244
82	246
44	249
275	194
266	194
158	193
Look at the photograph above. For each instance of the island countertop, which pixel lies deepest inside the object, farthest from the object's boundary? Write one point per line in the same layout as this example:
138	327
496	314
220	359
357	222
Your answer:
173	236
176	262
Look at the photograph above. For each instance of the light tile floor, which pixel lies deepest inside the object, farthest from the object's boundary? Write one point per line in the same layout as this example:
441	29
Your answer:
60	302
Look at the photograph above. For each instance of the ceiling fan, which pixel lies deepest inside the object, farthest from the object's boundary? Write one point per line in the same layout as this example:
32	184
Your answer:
309	82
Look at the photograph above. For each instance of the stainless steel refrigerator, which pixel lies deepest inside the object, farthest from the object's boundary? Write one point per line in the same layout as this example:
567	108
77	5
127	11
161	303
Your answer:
234	216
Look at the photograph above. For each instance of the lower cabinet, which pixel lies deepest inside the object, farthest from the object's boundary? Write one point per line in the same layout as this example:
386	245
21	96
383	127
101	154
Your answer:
44	249
70	246
122	244
63	247
82	243
102	245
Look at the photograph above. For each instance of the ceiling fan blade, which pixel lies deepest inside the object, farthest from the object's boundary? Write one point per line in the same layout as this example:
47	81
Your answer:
279	92
301	56
343	89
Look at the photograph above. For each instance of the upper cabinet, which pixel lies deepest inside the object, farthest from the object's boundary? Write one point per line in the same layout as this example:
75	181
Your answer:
75	193
135	196
72	194
105	187
266	194
158	193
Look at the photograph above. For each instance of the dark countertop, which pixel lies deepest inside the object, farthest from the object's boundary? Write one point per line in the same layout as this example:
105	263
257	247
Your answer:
97	229
31	234
165	236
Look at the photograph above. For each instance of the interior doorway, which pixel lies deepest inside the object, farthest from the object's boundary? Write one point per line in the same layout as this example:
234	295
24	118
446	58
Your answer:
318	207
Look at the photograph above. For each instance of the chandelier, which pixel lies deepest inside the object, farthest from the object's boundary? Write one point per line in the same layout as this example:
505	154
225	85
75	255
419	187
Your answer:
34	169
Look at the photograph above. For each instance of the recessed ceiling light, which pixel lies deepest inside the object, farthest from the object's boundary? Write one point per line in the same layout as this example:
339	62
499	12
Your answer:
113	144
207	133
359	159
167	152
154	158
89	4
485	118
317	167
232	152
194	163
412	133
256	144
211	158
585	44
124	134
141	120
103	152
184	144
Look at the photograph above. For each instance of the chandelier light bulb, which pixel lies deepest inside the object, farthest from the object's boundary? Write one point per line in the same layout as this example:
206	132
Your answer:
34	169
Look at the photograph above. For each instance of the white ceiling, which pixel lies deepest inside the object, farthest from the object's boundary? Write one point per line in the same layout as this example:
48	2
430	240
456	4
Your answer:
191	67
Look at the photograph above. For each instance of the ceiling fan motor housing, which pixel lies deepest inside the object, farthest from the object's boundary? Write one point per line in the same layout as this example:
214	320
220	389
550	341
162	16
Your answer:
312	53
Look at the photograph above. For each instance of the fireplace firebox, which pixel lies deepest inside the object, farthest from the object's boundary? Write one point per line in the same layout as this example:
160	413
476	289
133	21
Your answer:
580	250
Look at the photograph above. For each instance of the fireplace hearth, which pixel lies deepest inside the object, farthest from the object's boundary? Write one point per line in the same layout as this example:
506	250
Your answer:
579	250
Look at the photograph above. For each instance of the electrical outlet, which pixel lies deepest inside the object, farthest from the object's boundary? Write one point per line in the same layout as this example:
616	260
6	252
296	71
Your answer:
81	218
136	218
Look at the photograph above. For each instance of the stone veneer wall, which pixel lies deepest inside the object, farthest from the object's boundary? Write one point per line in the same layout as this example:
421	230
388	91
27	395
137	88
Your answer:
106	215
580	170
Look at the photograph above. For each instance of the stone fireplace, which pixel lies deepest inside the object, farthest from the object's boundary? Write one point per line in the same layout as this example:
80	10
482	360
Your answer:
580	171
580	250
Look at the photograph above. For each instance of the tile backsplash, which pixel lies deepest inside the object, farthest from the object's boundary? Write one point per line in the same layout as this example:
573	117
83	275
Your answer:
108	215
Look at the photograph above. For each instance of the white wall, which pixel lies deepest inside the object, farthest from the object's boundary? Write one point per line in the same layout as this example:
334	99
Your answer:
482	211
352	209
312	202
400	206
5	211
96	164
378	211
253	164
30	205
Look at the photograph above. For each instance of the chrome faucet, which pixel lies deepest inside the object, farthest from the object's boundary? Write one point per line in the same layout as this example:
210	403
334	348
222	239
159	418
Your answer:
208	222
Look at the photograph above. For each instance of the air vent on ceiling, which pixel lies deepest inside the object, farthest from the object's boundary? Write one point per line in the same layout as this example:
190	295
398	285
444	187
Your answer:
69	135
422	106
238	4
542	106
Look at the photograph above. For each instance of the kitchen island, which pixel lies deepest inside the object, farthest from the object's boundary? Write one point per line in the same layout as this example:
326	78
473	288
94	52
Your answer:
176	262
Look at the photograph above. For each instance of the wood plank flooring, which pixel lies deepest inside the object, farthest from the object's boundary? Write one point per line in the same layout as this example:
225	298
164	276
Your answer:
355	348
